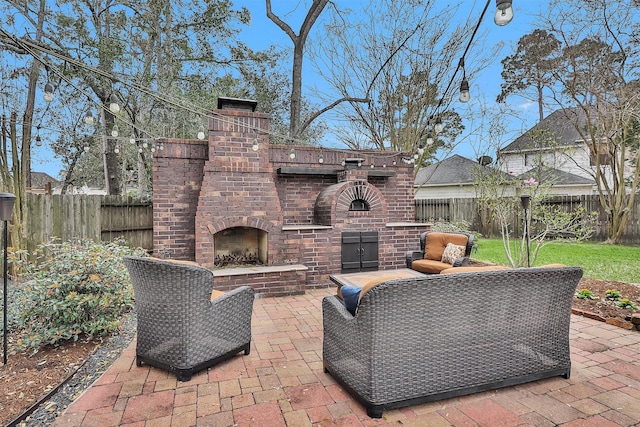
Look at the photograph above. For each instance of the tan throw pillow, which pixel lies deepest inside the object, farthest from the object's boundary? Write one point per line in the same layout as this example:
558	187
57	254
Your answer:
452	252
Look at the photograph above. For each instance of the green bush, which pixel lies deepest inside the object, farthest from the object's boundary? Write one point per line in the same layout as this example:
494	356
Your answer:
74	288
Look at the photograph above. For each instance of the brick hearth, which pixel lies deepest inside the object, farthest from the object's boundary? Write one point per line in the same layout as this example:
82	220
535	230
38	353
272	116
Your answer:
298	206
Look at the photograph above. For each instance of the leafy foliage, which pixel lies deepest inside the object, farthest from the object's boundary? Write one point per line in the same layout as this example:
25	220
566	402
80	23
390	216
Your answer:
74	288
501	197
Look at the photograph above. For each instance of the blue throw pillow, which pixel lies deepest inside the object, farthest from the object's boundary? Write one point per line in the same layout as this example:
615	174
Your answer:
351	297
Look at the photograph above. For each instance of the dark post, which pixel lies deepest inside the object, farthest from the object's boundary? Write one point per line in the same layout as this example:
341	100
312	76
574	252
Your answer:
525	200
6	209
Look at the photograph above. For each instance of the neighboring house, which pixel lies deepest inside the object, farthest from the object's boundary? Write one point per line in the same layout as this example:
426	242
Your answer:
452	177
42	182
554	150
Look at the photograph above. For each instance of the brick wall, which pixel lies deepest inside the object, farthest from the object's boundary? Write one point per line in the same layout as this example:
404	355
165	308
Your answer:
301	202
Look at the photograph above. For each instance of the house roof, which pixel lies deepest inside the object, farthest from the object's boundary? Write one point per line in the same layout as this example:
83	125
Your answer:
557	129
452	170
39	179
556	176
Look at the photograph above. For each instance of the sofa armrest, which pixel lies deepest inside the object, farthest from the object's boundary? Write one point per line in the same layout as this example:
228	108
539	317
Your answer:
413	256
340	336
461	262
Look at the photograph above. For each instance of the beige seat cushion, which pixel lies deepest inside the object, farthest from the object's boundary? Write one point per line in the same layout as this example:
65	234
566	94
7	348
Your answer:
429	266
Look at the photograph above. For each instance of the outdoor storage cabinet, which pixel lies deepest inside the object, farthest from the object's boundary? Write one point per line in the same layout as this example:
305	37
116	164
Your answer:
438	336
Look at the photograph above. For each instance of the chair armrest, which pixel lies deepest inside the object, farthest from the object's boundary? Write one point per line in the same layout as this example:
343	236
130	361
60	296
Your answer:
230	314
413	256
460	262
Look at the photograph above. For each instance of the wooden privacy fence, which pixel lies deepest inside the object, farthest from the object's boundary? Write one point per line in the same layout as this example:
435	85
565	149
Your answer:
99	218
457	210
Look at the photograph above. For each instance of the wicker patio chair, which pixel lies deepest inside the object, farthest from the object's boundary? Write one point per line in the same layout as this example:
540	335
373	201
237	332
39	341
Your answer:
180	328
432	245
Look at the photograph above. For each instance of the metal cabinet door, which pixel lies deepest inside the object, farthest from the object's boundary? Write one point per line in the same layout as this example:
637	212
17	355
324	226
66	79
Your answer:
369	251
350	251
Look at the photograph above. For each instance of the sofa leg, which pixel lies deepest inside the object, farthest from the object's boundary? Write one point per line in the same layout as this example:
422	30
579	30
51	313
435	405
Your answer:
247	349
374	411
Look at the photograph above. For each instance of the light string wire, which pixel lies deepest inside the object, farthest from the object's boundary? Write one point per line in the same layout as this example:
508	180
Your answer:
29	47
464	54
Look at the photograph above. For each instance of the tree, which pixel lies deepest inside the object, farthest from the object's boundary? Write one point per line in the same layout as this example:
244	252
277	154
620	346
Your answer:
500	195
598	76
531	67
399	56
166	63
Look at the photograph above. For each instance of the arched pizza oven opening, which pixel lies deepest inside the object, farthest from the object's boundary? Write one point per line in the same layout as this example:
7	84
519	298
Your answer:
237	246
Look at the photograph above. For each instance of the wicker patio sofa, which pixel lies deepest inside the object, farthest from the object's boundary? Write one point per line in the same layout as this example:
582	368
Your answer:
183	324
423	339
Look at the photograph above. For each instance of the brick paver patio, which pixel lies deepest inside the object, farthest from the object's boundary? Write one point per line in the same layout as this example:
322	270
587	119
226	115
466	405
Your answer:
281	383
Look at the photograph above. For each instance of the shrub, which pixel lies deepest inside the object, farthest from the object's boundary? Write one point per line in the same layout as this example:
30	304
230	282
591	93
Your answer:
74	288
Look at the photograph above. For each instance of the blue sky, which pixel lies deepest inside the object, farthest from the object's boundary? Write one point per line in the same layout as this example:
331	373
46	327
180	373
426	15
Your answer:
484	87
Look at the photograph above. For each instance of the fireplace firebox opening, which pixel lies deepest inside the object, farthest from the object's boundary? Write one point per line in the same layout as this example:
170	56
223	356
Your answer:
239	246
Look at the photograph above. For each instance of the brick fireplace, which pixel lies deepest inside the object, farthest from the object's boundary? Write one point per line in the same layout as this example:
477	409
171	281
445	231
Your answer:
279	218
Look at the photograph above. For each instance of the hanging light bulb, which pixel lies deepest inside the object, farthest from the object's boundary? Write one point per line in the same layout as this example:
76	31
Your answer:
115	131
139	149
86	148
421	148
255	146
372	166
429	138
153	148
145	144
113	104
88	117
416	156
48	92
38	141
292	154
465	96
320	158
438	127
161	147
504	12
116	150
201	132
132	139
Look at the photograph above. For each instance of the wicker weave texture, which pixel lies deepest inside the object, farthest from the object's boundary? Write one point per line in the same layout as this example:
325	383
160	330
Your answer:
414	338
178	324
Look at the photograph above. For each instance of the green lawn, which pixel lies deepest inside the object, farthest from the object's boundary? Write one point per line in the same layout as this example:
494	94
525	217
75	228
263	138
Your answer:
609	262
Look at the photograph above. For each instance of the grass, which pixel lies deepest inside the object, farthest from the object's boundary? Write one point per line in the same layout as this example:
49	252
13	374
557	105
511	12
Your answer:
599	261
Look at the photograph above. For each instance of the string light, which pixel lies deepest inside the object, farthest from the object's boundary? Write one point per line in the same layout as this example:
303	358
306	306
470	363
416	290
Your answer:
429	139
292	154
88	117
438	127
132	139
504	12
200	132
255	145
115	131
114	107
48	92
116	150
320	158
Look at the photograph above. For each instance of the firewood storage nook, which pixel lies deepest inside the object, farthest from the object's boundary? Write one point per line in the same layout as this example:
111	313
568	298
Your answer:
273	216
